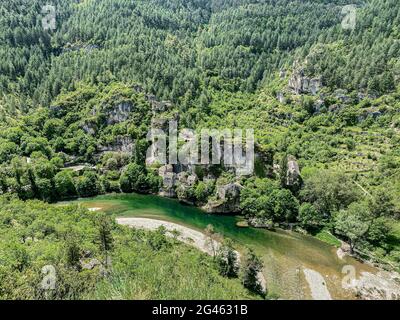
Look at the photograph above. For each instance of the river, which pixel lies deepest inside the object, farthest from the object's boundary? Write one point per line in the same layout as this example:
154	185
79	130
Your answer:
285	254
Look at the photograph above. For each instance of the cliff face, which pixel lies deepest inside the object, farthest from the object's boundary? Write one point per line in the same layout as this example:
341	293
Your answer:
299	83
119	113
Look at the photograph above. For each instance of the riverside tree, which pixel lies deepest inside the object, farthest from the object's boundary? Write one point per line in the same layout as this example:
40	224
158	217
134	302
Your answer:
227	259
105	238
250	268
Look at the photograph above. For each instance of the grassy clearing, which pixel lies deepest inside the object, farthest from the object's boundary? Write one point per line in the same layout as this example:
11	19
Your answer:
327	237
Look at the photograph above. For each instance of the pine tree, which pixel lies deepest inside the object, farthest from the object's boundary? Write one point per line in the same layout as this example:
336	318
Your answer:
105	238
250	268
227	260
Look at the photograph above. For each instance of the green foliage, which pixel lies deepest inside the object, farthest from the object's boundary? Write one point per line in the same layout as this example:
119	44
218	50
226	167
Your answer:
352	223
329	191
136	178
203	191
104	237
158	241
73	253
326	236
284	205
62	92
7	150
227	259
263	198
250	268
34	234
53	128
87	185
64	184
309	217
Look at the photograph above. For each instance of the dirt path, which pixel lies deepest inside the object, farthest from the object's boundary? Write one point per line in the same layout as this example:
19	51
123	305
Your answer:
185	234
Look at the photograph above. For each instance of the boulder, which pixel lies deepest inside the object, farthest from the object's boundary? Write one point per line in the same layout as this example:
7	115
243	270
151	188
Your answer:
191	180
160	123
89	128
90	264
371	112
318	105
362	96
119	113
228	199
182	177
299	83
342	95
380	286
281	97
335	108
165	169
123	144
293	177
257	222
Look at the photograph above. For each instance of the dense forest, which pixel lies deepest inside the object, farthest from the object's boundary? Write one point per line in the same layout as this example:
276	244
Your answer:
77	103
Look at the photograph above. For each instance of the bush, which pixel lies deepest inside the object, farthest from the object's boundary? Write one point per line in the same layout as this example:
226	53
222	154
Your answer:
64	184
309	217
87	185
250	268
227	260
263	198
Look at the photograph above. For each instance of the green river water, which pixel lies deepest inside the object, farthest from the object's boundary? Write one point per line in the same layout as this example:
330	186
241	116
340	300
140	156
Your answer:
284	253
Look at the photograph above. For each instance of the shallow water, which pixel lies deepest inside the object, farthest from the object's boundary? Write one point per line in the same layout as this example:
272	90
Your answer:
285	254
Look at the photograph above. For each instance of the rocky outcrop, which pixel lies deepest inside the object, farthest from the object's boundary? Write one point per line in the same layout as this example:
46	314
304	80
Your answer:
342	95
281	97
293	177
160	123
119	113
184	189
89	264
318	105
335	108
261	223
344	250
227	200
123	144
371	112
362	96
158	106
89	128
380	286
299	83
187	179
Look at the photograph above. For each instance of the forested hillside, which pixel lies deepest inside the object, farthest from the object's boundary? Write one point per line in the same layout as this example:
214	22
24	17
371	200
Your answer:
77	103
179	50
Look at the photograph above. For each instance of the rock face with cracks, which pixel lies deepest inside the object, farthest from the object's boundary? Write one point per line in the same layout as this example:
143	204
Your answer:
299	83
228	199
